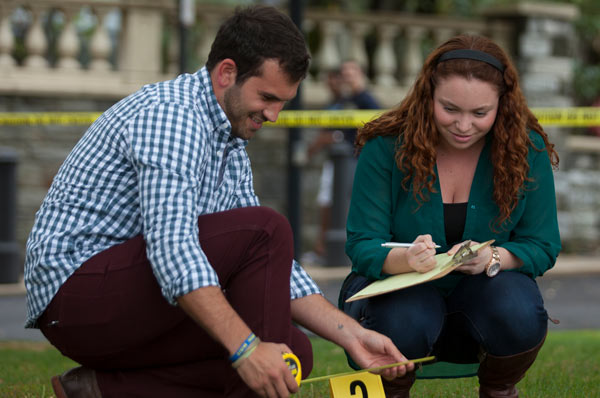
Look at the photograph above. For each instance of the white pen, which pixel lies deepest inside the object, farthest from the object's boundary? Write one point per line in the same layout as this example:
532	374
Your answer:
396	244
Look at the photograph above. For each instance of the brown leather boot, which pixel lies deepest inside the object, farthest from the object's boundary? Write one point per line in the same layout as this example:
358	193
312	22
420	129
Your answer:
399	387
78	382
498	376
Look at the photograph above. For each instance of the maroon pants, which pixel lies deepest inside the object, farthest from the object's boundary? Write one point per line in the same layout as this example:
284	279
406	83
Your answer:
110	314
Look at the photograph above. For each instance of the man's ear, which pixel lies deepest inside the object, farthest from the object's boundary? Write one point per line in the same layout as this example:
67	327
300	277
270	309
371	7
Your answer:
225	73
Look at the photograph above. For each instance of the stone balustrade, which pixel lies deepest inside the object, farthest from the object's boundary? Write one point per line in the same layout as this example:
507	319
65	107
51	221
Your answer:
109	48
390	47
94	49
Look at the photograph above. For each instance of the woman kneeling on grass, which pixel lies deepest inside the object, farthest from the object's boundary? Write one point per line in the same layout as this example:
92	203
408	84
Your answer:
461	158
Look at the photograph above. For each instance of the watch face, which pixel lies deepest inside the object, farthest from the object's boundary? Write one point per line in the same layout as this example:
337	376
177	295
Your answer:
493	269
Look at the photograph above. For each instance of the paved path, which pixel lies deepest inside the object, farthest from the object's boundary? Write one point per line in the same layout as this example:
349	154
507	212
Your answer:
12	318
571	293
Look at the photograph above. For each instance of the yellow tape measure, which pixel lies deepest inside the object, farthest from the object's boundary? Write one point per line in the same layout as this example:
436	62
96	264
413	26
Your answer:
293	364
391	365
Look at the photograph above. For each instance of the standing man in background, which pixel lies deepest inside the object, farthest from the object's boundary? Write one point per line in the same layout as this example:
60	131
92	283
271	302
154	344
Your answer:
348	88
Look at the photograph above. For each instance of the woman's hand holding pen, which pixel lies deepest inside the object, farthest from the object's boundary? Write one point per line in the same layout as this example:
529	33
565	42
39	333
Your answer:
420	257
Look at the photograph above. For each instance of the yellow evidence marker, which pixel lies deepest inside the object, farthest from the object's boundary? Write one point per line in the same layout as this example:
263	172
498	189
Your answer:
357	385
293	364
360	383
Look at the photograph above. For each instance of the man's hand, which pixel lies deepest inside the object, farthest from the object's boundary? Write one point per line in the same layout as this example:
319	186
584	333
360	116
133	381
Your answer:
266	373
368	348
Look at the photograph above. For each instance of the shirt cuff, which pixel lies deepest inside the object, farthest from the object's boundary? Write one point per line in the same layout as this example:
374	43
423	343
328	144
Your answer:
301	284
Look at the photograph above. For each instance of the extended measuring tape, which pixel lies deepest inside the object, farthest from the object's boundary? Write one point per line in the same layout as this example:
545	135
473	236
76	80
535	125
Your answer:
294	365
350	118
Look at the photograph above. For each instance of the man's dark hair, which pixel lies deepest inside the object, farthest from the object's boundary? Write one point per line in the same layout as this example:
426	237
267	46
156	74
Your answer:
255	34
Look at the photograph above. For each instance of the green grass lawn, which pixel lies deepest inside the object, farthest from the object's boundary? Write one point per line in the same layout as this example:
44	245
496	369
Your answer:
568	366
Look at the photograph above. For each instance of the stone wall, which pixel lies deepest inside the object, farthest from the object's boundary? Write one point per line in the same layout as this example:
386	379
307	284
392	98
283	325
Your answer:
40	149
578	200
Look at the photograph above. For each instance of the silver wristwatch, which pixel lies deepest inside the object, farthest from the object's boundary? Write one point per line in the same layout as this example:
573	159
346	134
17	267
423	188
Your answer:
493	267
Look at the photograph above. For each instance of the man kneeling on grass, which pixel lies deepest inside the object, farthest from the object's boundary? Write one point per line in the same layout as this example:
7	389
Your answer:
150	262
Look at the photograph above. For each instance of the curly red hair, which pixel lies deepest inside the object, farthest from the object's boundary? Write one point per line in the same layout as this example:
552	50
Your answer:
412	121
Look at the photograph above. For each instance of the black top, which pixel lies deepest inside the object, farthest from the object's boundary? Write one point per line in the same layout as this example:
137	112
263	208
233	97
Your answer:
455	215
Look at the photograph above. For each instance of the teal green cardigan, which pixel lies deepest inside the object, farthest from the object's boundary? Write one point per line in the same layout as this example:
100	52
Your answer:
381	210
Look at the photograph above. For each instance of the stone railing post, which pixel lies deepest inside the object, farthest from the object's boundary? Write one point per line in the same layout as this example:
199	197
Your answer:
174	47
6	38
385	56
68	43
357	51
329	56
142	39
100	44
210	22
501	34
441	35
35	42
412	61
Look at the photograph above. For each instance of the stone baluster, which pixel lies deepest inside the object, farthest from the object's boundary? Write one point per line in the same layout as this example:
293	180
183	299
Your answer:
6	38
385	57
328	57
308	25
210	25
36	43
412	61
173	30
441	35
100	44
140	50
173	50
357	51
501	33
68	42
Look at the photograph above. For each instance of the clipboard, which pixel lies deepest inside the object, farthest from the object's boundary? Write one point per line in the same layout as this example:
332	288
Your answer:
445	265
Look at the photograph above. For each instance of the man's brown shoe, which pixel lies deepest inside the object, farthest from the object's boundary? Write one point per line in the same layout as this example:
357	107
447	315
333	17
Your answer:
78	382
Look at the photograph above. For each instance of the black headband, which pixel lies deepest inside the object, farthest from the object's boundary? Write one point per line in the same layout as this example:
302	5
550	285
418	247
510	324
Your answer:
472	54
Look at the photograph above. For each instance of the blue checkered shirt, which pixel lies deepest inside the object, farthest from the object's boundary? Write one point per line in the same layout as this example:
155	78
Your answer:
150	165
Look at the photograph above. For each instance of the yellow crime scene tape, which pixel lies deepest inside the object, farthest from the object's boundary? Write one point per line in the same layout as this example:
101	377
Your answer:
351	118
47	118
294	365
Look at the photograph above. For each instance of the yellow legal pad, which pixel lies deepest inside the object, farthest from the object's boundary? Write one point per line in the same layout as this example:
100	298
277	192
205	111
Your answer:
445	264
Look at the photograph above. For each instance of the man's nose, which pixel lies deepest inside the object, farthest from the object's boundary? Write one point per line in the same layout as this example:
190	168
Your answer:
271	112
